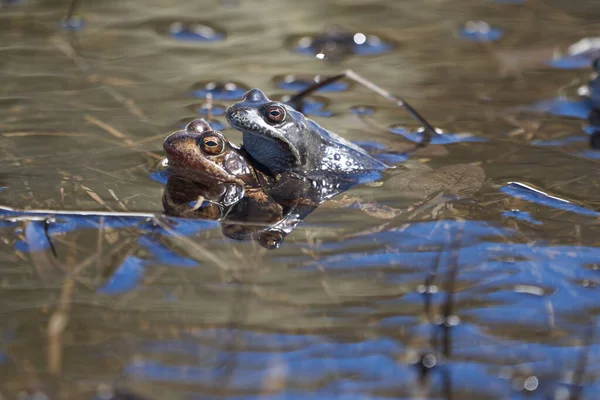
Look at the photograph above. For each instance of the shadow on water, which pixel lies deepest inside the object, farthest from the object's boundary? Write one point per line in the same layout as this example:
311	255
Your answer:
470	271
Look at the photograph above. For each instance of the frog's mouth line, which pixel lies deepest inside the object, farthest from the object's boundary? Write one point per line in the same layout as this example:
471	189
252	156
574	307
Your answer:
204	175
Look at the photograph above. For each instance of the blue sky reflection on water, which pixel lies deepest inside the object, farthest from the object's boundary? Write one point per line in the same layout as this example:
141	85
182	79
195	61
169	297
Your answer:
504	284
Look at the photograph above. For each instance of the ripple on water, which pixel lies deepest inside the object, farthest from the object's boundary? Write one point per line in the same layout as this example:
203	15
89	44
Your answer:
563	107
362	111
219	90
559	142
205	109
194	32
337	44
528	193
593	154
298	83
480	31
74	23
214	124
313	105
180	30
441	138
522	216
581	54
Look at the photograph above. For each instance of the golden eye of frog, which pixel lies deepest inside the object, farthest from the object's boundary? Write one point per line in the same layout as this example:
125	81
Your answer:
283	139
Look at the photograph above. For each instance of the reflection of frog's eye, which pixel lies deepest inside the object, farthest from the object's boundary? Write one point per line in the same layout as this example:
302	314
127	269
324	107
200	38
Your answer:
275	114
212	144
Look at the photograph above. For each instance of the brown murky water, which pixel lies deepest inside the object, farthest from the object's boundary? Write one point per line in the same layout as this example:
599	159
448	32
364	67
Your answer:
349	307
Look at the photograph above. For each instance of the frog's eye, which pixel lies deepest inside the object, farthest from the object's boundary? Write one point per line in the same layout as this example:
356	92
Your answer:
212	144
275	114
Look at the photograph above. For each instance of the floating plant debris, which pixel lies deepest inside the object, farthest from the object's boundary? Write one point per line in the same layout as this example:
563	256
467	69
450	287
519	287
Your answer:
441	138
194	32
219	90
480	31
337	44
362	111
298	83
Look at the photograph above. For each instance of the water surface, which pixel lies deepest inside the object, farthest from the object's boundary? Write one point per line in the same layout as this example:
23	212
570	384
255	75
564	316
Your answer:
350	306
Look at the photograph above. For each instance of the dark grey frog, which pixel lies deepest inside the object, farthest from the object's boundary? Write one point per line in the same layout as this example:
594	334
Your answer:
283	139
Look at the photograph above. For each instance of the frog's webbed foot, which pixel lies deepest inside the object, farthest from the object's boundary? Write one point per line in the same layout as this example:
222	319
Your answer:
429	132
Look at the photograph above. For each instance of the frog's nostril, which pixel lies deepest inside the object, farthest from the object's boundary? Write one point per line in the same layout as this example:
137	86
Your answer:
174	140
254	95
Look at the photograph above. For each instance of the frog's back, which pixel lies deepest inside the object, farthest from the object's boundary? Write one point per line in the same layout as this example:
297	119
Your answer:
340	155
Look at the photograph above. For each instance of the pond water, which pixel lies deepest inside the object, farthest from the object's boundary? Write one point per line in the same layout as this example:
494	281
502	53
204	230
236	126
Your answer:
470	271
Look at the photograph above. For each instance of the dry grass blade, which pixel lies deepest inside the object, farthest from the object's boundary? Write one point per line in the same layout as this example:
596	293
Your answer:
59	134
108	128
96	198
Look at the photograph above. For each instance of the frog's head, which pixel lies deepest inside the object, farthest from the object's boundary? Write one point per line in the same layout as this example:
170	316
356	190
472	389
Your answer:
200	153
274	133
